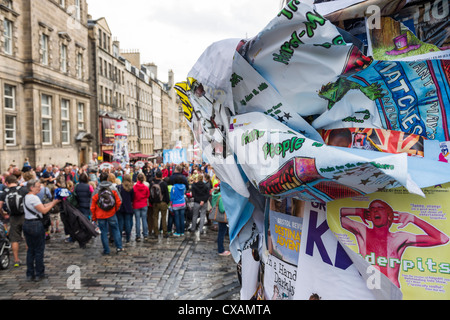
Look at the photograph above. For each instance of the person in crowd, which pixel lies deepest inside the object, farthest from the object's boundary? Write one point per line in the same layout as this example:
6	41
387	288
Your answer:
167	171
125	213
67	173
170	213
34	231
104	205
178	204
93	163
15	215
223	226
48	175
200	193
83	193
140	204
160	198
209	185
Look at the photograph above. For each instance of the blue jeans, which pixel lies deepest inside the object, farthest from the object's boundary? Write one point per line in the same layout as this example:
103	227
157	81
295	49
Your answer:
221	236
179	220
86	212
114	229
141	216
35	238
125	223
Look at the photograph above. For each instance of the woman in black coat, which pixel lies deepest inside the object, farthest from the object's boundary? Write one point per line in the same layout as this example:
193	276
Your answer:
83	193
125	213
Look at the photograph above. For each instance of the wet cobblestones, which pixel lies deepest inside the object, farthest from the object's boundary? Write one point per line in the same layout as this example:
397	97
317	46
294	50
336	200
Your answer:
158	269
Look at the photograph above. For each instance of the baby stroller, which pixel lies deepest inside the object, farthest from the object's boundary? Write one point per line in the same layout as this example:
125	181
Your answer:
5	247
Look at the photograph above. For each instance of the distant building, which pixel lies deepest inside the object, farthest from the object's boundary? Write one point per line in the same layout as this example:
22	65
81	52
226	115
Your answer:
44	90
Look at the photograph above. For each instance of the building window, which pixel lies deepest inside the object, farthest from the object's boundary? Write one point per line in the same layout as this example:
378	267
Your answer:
63	58
10	97
80	116
80	66
7	34
77	9
44	44
46	109
65	121
8	4
62	3
10	130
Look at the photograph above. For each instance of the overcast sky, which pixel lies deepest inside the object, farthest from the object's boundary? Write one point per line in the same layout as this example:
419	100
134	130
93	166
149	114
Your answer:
174	33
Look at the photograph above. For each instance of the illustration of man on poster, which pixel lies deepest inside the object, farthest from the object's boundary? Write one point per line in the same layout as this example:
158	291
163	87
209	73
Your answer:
378	239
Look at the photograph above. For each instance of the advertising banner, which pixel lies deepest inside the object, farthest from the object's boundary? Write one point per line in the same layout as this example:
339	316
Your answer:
121	155
404	236
108	128
176	156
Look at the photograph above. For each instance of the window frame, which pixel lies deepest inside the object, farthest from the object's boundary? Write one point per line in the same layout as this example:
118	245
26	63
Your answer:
46	118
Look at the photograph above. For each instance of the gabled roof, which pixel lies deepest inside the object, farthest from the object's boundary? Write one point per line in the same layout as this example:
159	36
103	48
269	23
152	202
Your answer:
104	24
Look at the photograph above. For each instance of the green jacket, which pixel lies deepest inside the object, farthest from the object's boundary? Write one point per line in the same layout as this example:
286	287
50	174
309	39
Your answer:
216	196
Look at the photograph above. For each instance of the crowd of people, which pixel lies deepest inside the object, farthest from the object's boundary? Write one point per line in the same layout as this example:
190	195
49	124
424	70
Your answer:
153	200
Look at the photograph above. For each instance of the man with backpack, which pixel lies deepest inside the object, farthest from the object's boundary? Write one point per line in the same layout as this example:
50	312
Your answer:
105	203
159	198
12	196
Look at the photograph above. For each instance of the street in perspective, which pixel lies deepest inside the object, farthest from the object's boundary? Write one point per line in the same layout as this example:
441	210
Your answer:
174	268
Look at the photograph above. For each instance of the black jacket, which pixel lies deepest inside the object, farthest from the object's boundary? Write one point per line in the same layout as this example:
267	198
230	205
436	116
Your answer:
84	195
200	192
164	190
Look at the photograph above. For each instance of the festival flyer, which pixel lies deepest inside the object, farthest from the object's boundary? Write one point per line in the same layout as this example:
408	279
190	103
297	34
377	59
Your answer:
283	235
280	162
403	235
326	271
381	140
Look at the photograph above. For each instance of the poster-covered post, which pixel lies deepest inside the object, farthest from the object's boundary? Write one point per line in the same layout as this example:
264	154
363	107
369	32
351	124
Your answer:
405	236
121	143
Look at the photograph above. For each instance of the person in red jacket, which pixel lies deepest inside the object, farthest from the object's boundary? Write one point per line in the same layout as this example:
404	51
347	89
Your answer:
140	205
105	203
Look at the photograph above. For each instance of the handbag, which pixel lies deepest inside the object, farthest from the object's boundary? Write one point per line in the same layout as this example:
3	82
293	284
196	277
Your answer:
216	215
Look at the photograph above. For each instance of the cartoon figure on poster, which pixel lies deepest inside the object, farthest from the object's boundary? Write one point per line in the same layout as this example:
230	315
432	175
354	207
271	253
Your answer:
121	143
380	241
443	156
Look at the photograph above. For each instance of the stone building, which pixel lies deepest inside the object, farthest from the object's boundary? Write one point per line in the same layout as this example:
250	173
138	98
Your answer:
44	89
139	106
122	89
107	81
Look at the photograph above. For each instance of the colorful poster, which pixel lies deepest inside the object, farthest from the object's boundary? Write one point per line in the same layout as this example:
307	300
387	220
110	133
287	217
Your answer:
121	154
280	162
283	235
396	41
404	236
410	96
444	154
325	271
375	139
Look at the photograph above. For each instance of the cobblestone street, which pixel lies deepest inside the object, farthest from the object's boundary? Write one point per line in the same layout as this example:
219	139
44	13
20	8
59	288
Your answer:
159	269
